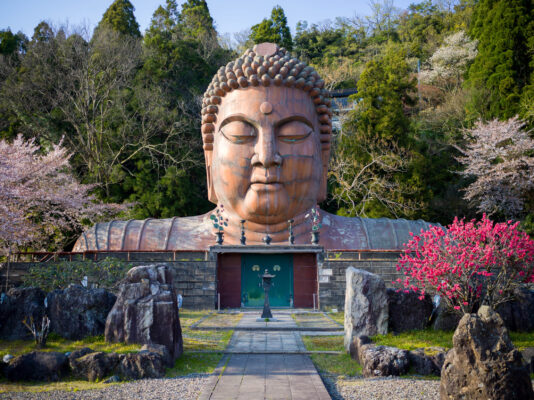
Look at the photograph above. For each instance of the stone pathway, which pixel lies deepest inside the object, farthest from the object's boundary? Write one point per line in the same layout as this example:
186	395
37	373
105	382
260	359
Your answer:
282	320
263	363
268	376
266	342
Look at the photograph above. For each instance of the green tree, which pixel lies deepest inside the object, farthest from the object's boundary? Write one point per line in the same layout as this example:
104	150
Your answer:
374	167
196	21
274	30
12	43
502	67
120	17
179	61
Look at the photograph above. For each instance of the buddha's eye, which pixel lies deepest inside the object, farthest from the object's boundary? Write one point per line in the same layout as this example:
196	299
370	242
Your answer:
294	131
238	132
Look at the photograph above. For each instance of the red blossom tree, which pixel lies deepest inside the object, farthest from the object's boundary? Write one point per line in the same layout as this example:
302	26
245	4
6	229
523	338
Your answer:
469	263
39	198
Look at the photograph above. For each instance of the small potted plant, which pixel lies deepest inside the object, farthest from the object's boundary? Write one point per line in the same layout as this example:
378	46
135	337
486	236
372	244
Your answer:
219	222
316	225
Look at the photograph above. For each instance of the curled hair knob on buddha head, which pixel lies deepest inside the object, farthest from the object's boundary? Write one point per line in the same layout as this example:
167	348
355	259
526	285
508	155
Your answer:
264	65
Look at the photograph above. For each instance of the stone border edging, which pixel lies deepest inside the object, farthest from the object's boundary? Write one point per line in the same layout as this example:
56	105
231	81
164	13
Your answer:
264	328
214	379
196	323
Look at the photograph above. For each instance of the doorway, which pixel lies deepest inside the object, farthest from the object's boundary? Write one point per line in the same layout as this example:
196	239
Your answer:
253	266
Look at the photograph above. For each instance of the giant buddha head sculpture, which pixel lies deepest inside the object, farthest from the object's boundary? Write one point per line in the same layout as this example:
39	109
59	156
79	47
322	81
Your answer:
266	128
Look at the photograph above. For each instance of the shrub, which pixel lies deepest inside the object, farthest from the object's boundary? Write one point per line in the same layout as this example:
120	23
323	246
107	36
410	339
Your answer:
469	263
106	274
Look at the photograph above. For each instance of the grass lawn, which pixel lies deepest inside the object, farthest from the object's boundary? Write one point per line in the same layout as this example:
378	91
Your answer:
323	343
430	338
57	343
69	385
336	364
194	363
338	317
205	340
221	321
416	339
189	317
187	364
521	340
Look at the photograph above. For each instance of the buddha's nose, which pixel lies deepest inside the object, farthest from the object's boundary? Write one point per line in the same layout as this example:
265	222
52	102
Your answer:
266	150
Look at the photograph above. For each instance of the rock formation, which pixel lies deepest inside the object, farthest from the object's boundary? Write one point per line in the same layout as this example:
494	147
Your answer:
146	310
407	312
484	363
366	305
20	303
77	312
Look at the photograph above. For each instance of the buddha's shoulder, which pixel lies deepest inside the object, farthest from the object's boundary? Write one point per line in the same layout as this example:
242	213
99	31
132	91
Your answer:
356	233
177	233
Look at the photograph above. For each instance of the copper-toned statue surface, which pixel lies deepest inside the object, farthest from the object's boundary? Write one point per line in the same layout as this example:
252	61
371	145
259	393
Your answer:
266	128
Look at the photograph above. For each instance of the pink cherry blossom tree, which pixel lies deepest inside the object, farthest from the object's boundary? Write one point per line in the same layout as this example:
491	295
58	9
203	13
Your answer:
469	263
39	198
499	158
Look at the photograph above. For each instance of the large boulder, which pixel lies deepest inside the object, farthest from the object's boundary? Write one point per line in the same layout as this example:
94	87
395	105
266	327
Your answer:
383	361
141	365
445	318
427	361
78	353
483	363
160	349
518	314
77	312
94	366
38	366
366	305
146	310
407	312
528	357
358	346
20	303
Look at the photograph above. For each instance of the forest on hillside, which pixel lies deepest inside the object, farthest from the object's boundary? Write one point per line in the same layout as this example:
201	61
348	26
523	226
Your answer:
440	126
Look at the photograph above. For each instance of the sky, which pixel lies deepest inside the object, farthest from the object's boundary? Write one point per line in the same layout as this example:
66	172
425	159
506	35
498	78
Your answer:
230	15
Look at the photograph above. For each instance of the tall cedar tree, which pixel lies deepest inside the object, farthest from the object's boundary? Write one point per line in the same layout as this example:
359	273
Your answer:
502	67
180	59
196	21
120	17
274	30
377	143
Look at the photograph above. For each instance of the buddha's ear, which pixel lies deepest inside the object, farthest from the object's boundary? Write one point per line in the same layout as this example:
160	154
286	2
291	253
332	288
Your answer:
208	154
325	158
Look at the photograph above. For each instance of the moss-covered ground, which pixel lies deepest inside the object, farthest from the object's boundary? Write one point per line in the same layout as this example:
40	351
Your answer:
194	359
431	338
323	343
59	344
338	317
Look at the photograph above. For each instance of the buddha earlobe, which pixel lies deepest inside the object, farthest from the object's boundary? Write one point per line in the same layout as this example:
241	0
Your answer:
209	176
325	159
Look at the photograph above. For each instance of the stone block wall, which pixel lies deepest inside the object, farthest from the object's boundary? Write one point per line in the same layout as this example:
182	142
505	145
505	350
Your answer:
332	267
194	274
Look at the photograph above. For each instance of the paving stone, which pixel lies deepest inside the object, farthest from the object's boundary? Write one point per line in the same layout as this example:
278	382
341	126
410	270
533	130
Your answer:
266	364
269	376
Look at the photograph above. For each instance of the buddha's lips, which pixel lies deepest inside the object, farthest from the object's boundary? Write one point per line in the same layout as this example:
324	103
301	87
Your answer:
265	180
265	177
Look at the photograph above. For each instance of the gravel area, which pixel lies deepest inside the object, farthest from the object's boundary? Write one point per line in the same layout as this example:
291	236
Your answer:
381	388
184	388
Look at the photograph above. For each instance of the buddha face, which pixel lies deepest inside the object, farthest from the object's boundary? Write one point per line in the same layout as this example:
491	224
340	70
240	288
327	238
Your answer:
266	163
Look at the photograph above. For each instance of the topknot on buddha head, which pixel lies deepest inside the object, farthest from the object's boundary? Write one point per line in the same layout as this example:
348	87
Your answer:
265	65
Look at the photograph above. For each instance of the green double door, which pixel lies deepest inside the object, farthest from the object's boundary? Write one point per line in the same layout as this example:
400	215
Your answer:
281	291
